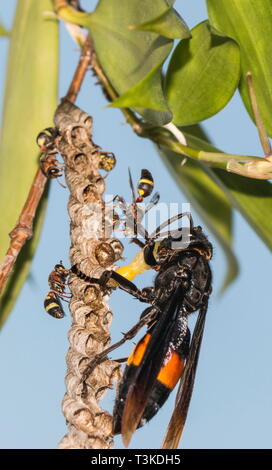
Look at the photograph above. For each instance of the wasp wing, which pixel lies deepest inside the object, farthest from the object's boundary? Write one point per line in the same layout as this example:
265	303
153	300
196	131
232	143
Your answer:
154	200
177	422
147	371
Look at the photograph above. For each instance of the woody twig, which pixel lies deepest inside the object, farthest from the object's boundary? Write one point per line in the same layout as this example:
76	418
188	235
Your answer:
137	125
24	227
82	67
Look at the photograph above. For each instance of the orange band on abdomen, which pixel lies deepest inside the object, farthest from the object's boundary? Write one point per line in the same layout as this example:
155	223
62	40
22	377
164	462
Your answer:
171	371
137	354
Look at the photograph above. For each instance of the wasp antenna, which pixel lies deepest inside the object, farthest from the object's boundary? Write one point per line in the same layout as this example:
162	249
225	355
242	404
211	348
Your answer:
188	214
134	205
62	185
131	187
157	232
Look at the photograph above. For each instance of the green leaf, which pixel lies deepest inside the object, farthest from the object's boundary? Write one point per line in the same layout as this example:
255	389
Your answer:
133	56
202	76
140	96
249	23
128	57
168	24
30	101
252	198
208	199
3	30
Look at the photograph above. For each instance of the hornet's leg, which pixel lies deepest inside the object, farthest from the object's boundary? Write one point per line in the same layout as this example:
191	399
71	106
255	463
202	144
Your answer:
147	317
121	359
143	295
137	242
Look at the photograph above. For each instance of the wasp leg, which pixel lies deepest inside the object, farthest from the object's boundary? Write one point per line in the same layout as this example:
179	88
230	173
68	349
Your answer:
150	314
64	295
144	295
137	242
123	283
122	359
155	199
102	281
121	203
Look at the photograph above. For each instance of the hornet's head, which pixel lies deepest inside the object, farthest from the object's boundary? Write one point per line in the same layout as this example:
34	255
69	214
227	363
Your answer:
185	239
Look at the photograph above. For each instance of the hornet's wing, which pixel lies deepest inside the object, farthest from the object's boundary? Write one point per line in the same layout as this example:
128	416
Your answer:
144	376
177	422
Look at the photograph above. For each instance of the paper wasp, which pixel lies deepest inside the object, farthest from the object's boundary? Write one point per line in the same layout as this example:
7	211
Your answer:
58	277
51	167
133	213
107	161
57	281
166	353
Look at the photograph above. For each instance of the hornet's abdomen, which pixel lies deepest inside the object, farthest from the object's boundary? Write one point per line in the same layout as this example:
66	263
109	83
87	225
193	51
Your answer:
167	378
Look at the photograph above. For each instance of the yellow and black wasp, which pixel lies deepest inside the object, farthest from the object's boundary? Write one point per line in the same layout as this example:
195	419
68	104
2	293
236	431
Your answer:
57	282
166	353
49	163
145	185
133	213
107	160
51	167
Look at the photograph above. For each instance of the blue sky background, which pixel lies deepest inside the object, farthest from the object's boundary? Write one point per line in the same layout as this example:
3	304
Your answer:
232	401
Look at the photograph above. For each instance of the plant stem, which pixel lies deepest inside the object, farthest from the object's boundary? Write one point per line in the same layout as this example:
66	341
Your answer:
23	228
164	136
257	116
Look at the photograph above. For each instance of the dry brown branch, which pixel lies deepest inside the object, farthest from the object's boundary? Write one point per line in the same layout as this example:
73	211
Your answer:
92	250
137	125
23	229
82	67
24	226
